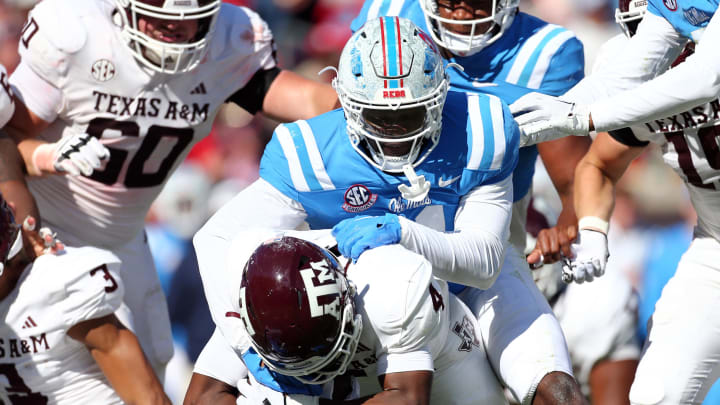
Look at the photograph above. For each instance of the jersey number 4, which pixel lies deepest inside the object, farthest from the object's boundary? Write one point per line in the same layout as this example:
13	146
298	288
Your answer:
136	176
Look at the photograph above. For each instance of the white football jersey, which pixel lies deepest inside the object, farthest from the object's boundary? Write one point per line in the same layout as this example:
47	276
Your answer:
689	143
39	362
7	105
148	121
410	322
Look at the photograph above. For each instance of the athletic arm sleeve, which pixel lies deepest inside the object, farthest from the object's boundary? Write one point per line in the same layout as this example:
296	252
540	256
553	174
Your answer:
252	96
647	54
260	205
693	82
473	254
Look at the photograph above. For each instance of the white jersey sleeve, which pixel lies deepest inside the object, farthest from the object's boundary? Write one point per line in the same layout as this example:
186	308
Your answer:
52	34
219	361
649	53
403	305
213	241
693	82
87	283
7	104
472	255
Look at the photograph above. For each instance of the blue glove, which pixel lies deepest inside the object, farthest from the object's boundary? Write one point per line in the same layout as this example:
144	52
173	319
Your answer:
356	235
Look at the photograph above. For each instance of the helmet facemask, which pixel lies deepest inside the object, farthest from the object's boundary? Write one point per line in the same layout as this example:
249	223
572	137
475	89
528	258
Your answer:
629	14
392	86
468	37
174	55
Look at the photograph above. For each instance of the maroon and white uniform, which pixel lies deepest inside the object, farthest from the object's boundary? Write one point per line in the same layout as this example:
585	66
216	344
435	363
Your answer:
77	73
39	362
410	322
682	356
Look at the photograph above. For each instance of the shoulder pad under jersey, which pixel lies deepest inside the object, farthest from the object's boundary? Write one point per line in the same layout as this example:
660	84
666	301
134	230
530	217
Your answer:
54	30
84	281
239	30
395	287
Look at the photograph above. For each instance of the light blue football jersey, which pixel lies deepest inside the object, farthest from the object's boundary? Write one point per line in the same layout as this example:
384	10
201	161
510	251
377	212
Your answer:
314	163
689	18
531	55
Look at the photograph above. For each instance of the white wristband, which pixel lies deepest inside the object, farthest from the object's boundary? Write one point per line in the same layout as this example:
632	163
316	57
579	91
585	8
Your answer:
596	223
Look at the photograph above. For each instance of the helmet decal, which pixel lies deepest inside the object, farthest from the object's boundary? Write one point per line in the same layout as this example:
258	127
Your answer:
316	286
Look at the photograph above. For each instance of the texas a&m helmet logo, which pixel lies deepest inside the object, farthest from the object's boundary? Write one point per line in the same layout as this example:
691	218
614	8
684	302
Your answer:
322	284
358	198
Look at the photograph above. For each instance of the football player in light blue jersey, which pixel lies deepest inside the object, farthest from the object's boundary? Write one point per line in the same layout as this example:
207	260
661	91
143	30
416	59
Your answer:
398	156
508	54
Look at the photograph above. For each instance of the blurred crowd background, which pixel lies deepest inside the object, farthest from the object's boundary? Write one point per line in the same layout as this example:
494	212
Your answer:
651	228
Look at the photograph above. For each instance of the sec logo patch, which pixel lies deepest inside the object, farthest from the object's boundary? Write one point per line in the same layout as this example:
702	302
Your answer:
358	198
670	4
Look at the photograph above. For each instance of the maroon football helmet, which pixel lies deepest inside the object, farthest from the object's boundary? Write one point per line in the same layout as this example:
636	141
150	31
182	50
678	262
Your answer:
299	311
10	236
629	14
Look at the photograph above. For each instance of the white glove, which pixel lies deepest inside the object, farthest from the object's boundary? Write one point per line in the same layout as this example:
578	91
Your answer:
590	255
254	393
545	118
76	154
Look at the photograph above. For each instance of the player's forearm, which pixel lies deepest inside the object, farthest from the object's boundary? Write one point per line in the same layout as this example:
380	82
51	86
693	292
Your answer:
594	192
469	257
395	397
560	158
129	371
474	253
12	180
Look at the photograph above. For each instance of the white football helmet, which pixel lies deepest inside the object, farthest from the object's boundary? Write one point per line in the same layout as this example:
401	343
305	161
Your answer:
501	17
392	85
628	15
161	56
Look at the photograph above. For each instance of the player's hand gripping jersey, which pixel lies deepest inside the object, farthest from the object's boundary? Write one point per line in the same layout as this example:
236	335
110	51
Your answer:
39	362
77	72
409	322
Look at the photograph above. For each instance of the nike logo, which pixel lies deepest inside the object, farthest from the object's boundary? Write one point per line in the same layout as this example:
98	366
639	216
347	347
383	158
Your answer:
445	183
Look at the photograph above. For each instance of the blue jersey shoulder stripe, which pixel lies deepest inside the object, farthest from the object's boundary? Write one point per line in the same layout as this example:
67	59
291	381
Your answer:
316	161
487	128
287	144
375	8
303	157
534	57
498	130
480	128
